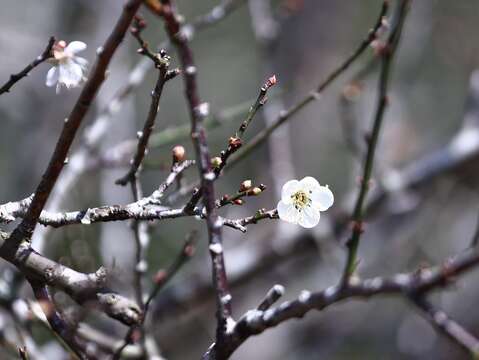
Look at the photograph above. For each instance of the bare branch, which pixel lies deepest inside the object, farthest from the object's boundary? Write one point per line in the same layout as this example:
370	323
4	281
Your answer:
235	142
198	112
447	326
256	321
383	86
14	78
58	324
161	61
85	289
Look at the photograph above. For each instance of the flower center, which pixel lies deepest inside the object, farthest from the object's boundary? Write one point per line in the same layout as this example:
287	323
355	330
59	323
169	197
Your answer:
300	200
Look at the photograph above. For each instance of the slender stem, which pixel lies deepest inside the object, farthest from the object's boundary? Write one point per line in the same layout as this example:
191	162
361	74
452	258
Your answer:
161	278
447	326
387	55
235	142
14	78
149	125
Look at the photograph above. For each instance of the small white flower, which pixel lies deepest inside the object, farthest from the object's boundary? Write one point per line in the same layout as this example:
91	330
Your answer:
301	201
68	69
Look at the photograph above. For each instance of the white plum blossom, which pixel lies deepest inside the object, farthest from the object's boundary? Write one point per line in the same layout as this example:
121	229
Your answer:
68	69
302	201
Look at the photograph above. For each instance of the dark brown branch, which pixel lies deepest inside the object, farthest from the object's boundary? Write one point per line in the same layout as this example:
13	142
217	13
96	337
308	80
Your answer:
58	324
57	161
144	136
14	78
198	112
161	61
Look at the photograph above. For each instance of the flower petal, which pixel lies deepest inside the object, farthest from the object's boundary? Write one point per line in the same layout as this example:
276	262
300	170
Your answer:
288	190
309	183
287	212
310	217
322	198
52	76
71	74
81	61
75	46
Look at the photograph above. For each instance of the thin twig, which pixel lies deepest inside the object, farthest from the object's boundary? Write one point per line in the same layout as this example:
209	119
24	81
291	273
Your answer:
271	297
161	278
22	351
161	61
447	326
58	324
383	85
235	142
14	78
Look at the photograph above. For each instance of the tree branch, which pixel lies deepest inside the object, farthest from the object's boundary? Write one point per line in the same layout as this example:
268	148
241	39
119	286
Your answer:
198	112
57	161
14	78
387	55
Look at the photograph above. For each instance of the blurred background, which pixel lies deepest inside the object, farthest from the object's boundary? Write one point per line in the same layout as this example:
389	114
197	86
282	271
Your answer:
425	190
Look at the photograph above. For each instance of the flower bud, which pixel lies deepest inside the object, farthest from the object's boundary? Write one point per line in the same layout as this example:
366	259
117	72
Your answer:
245	185
189	250
179	153
238	202
160	276
216	162
234	142
271	82
256	191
